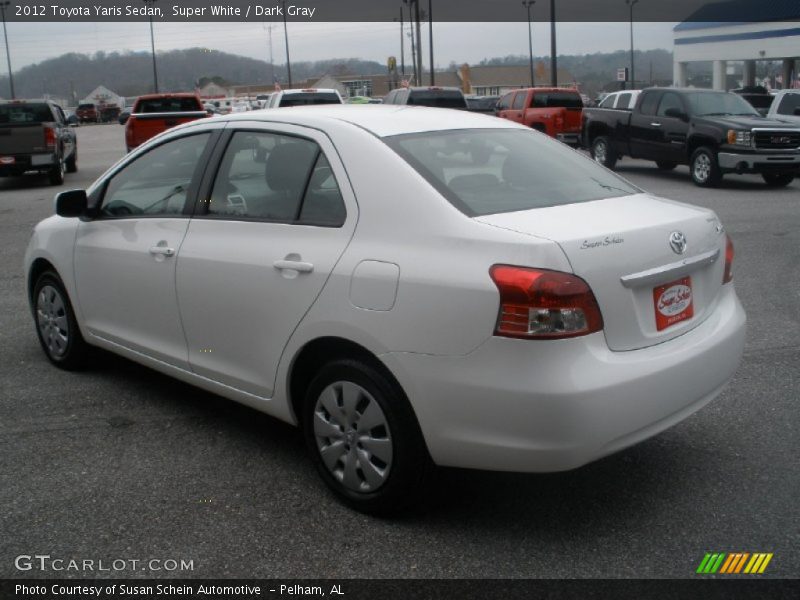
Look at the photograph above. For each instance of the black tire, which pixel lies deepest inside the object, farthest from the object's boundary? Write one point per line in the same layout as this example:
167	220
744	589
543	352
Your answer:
56	173
72	162
776	180
704	167
603	152
393	452
665	165
55	324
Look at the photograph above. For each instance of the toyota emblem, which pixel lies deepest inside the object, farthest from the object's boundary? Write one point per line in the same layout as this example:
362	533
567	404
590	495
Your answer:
677	241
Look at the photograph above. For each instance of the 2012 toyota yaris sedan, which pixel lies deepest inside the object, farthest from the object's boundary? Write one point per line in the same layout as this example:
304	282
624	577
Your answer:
411	286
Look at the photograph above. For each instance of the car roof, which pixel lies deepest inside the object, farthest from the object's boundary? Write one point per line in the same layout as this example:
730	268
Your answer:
379	119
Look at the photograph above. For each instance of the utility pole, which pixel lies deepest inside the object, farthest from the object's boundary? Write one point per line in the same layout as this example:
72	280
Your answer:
419	41
402	45
528	4
553	57
286	39
153	48
3	7
633	72
430	35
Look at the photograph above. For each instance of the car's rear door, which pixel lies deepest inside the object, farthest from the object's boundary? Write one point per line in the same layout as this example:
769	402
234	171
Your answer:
278	215
125	257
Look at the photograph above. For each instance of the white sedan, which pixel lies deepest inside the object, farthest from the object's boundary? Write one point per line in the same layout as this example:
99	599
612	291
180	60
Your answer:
411	286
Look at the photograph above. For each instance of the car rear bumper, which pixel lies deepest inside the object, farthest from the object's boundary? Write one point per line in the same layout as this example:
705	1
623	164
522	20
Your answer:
758	163
573	139
538	406
15	164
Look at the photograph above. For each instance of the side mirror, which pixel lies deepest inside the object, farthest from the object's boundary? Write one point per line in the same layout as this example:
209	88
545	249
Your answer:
676	113
72	203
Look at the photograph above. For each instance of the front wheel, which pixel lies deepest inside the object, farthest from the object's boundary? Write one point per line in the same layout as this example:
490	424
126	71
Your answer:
56	326
776	180
603	153
705	168
364	438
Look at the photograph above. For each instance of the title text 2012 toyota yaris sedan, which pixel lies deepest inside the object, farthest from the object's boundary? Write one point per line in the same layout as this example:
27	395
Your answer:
411	286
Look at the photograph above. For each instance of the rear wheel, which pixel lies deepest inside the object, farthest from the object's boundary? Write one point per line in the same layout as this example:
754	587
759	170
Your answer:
72	162
778	179
56	326
56	172
364	438
666	165
603	153
705	168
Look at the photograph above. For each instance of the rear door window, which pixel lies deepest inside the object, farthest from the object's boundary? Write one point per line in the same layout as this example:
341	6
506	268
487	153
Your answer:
519	100
624	101
789	104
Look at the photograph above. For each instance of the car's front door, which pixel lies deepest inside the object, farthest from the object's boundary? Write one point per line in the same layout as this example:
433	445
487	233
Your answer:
276	218
671	146
125	257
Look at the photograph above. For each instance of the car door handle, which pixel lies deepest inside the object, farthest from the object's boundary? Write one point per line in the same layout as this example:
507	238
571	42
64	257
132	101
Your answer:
655	124
293	265
162	250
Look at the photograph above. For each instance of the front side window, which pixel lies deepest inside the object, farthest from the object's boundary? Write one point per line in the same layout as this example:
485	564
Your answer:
624	101
273	177
668	101
608	101
156	183
487	171
649	103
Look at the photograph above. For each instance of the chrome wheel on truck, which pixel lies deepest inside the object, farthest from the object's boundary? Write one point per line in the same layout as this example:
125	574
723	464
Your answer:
603	153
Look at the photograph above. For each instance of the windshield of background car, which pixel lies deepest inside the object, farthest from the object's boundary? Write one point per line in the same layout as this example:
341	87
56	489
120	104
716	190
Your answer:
306	99
488	171
11	114
722	103
437	99
161	105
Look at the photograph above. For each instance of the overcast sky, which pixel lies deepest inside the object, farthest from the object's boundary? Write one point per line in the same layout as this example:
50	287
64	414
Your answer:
459	42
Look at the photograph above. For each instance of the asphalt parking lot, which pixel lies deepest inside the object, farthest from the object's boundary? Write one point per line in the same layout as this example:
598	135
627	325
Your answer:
119	462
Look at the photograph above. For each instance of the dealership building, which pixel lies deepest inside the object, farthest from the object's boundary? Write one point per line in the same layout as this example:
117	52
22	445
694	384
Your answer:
752	31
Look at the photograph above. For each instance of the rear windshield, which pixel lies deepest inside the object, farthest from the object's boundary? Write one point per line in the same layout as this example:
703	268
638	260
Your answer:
85	106
488	171
159	105
557	100
437	99
25	113
306	99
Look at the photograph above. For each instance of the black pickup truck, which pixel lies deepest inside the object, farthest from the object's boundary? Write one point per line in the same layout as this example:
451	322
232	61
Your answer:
711	131
35	136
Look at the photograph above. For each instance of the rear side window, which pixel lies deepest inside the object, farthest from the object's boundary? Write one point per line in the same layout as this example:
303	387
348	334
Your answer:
437	99
159	105
23	114
272	177
790	103
624	101
306	99
649	103
491	171
519	100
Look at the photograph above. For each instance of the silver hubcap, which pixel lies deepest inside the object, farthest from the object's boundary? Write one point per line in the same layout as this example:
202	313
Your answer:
702	167
600	152
51	316
353	436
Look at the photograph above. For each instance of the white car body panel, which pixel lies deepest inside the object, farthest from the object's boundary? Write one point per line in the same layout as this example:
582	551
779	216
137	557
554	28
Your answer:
407	279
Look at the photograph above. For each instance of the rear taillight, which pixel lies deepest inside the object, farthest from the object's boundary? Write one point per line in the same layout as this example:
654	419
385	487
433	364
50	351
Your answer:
538	304
50	138
728	276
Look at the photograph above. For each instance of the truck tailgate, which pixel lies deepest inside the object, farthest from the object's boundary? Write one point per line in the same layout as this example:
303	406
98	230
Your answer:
22	139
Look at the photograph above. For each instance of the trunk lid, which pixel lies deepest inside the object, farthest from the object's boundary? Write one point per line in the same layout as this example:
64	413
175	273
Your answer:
622	248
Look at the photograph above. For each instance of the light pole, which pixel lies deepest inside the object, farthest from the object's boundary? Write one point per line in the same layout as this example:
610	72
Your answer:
3	7
153	48
402	44
417	77
430	35
633	73
286	39
553	56
419	41
528	4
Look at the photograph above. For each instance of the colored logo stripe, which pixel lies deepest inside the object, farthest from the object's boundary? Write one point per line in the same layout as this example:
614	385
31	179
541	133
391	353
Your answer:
734	562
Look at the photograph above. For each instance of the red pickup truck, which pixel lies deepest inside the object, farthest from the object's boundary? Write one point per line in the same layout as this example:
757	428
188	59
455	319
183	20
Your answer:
155	113
555	111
